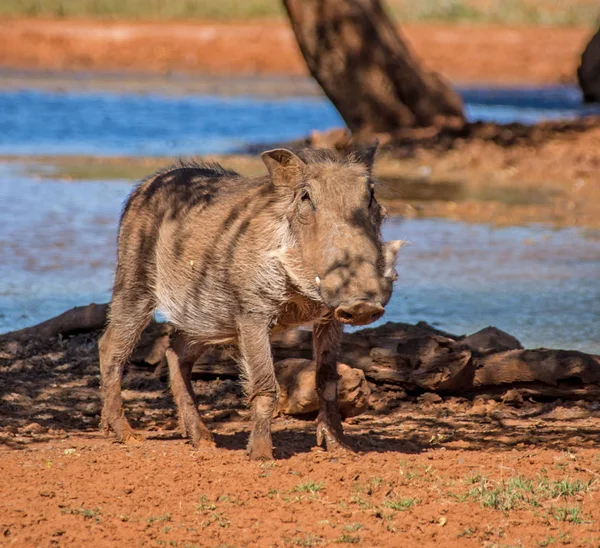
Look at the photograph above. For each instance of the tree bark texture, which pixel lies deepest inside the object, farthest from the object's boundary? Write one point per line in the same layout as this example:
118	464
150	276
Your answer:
367	70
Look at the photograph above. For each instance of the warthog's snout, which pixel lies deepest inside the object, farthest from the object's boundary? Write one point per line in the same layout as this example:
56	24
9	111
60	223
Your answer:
359	312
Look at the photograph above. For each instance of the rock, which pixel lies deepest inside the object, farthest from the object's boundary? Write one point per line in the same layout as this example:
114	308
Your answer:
297	381
478	408
513	397
91	409
492	339
430	397
33	428
482	406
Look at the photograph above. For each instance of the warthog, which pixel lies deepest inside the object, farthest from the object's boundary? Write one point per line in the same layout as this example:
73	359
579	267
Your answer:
229	260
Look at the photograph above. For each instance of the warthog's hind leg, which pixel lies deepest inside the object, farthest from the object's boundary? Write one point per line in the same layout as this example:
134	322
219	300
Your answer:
181	360
116	344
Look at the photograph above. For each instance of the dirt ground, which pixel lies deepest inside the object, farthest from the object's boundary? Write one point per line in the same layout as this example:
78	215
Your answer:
429	471
465	54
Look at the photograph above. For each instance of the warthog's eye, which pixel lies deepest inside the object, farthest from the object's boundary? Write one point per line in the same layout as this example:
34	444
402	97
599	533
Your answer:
305	199
372	196
304	206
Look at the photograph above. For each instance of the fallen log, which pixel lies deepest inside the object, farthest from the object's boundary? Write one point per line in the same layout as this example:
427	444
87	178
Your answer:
549	367
419	358
518	393
76	320
415	358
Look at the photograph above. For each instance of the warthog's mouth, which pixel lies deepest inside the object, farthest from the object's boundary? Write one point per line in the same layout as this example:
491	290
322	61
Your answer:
359	313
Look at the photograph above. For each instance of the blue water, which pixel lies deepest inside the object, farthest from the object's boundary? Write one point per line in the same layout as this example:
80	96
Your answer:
38	122
527	105
58	247
105	124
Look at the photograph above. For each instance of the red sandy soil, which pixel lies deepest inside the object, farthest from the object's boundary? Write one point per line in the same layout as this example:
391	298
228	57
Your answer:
465	54
426	471
84	491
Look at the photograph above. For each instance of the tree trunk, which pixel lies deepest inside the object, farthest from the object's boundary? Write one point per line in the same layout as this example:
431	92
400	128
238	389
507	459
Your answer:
354	52
588	72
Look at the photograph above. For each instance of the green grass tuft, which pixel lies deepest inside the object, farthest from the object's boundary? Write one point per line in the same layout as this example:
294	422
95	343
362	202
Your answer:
570	514
401	505
347	539
519	492
308	487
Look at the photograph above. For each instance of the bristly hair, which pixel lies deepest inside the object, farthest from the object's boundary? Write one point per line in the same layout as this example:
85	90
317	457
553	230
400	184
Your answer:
212	170
204	169
201	168
327	155
318	155
208	169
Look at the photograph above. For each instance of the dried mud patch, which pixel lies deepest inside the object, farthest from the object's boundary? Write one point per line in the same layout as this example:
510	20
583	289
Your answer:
429	470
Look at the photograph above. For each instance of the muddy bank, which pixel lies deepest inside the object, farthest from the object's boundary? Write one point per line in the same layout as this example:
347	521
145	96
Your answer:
465	54
509	174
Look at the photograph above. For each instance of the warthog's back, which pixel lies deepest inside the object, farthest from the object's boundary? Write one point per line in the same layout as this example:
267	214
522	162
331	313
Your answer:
208	237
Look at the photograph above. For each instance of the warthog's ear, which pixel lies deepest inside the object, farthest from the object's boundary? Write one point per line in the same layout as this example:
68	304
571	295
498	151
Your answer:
390	254
365	154
283	165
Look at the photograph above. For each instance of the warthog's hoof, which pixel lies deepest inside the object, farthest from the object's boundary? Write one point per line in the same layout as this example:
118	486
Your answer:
260	450
203	443
123	431
133	438
194	428
260	455
330	439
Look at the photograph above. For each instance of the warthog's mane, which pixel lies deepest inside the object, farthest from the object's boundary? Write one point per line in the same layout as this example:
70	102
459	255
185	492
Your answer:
328	156
199	167
189	168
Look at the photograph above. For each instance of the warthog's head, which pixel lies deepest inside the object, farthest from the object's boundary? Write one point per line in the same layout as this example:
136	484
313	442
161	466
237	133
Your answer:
335	226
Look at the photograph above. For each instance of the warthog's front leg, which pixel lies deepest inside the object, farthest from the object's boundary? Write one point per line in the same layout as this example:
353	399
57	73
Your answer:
326	343
260	382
